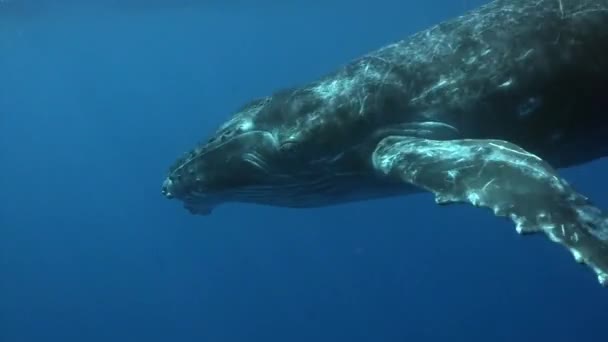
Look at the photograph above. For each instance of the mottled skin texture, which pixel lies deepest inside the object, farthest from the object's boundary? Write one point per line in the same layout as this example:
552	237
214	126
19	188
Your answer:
480	109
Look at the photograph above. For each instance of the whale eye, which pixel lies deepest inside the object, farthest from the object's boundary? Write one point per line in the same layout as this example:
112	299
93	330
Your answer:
290	147
227	134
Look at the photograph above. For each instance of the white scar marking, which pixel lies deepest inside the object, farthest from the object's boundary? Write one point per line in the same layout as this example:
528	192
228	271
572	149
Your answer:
515	151
488	184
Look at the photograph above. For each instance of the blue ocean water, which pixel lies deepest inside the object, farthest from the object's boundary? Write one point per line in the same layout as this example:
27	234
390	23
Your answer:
97	99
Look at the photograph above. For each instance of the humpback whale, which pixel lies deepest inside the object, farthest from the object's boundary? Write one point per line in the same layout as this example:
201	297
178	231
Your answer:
482	109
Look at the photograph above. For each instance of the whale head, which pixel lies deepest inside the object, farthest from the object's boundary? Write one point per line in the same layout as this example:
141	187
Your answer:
292	149
235	161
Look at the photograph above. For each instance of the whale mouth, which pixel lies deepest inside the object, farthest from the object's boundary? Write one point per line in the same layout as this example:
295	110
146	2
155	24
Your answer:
167	188
196	203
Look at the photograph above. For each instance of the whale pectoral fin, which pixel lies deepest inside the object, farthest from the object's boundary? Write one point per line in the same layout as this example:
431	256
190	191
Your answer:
507	179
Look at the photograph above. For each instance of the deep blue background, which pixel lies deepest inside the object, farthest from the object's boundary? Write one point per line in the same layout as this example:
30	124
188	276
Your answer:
96	101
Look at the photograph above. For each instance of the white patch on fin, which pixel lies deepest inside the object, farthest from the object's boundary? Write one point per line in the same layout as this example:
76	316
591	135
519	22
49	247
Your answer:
506	179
